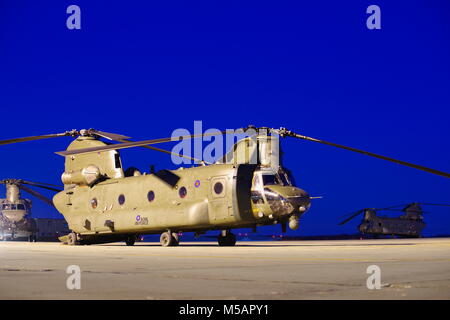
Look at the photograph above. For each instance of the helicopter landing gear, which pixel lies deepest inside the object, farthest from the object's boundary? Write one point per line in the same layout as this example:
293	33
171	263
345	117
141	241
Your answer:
169	239
226	239
130	240
72	239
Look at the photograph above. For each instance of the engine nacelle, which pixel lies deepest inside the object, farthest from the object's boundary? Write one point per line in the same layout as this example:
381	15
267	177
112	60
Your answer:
84	177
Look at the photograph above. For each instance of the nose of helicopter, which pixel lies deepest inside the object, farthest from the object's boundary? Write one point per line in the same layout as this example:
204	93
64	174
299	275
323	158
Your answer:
14	215
285	200
301	201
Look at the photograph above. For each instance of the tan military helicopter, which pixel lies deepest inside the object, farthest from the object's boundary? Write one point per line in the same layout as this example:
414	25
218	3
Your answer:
247	188
15	212
410	224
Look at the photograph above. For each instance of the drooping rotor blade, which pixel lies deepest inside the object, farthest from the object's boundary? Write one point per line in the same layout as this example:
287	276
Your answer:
164	151
108	135
398	206
73	133
37	195
401	207
47	136
434	204
174	153
133	144
284	132
42	185
353	215
389	209
18	182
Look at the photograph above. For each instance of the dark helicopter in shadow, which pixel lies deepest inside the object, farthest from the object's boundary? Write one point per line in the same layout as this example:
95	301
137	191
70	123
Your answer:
408	225
16	221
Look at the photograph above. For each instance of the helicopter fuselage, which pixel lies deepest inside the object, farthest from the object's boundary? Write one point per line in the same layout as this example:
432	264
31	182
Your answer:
402	226
205	198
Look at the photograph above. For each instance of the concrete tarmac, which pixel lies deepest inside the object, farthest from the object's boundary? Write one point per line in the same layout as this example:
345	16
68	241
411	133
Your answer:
410	269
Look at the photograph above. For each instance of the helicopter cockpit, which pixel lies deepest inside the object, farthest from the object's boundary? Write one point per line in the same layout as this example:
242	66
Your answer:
267	178
273	194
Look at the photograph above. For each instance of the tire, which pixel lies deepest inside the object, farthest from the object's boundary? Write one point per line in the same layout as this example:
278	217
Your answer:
176	239
166	239
221	240
231	240
228	241
129	241
72	241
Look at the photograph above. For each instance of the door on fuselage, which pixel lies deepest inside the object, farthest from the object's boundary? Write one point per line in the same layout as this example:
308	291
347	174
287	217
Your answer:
220	204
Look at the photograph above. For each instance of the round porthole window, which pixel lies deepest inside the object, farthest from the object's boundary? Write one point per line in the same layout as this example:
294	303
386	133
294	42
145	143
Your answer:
218	187
121	199
150	196
94	203
182	192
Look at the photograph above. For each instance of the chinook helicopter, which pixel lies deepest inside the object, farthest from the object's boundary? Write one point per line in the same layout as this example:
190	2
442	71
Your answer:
410	224
248	187
15	211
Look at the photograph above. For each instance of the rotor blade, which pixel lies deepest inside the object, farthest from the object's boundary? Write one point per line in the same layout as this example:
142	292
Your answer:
37	195
133	144
37	184
174	153
435	204
393	207
42	185
415	166
351	217
47	136
108	135
165	151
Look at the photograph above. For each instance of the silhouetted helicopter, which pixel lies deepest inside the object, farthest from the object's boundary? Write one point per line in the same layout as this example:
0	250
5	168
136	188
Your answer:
15	211
409	224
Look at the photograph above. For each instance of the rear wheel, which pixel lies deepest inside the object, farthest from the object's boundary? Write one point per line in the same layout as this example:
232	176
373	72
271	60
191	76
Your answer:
72	239
166	239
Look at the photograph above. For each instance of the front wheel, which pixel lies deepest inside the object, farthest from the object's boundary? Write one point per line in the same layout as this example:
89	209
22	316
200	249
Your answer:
130	240
227	241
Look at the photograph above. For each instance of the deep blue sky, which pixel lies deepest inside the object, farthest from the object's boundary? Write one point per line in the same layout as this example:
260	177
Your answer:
145	68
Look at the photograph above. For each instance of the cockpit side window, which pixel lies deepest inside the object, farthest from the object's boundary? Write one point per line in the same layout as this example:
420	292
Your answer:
284	179
271	179
257	182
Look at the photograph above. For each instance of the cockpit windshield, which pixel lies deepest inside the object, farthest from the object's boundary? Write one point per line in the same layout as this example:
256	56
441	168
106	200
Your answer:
8	206
11	206
271	179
